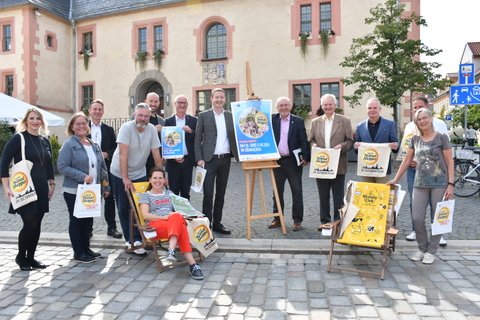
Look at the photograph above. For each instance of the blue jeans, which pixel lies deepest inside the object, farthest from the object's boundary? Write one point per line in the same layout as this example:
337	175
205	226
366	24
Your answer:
123	207
410	181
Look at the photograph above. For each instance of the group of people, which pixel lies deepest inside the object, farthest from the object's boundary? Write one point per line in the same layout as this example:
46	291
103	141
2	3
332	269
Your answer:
93	154
428	162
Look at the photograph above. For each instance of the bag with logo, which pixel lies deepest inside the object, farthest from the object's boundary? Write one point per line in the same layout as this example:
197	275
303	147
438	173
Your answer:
324	163
199	178
201	236
443	219
21	182
373	159
87	203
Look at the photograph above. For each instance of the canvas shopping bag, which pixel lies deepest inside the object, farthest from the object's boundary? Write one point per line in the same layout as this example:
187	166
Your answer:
201	236
87	203
21	182
198	179
373	159
324	163
443	219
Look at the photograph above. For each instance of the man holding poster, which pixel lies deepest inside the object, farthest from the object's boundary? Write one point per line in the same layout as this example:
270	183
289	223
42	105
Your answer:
331	130
180	169
290	135
214	145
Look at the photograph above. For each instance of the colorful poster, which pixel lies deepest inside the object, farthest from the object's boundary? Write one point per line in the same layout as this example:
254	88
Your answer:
253	130
173	140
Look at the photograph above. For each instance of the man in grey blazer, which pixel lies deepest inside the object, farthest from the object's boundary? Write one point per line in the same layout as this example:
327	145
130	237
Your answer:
214	146
331	130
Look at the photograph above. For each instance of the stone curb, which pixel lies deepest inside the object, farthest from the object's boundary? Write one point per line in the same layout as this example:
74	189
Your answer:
245	245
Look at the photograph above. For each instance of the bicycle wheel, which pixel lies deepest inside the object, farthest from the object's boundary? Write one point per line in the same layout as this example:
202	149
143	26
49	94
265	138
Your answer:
466	187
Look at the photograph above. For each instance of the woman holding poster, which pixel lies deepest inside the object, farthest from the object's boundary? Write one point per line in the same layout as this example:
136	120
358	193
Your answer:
433	180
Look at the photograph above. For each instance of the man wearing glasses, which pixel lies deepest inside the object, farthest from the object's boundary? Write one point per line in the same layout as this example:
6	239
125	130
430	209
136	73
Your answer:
136	140
180	170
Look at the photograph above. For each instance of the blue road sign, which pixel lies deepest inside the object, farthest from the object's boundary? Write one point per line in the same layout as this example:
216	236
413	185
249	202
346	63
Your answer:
465	94
448	117
466	73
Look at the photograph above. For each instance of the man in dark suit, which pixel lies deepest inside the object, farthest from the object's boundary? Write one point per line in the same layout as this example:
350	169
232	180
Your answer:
180	170
377	129
334	131
290	135
104	135
153	101
214	146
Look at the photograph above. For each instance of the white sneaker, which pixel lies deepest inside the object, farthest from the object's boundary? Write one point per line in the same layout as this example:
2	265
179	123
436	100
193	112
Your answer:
418	256
412	236
442	242
141	250
428	258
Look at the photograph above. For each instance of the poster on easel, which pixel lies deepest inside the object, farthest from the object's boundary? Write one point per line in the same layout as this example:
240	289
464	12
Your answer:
253	130
173	141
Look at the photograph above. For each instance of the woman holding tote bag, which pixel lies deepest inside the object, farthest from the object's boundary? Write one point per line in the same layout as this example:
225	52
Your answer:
81	161
37	150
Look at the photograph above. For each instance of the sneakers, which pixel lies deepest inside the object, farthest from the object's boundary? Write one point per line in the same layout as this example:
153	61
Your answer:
136	243
171	256
196	272
428	258
442	242
418	256
412	236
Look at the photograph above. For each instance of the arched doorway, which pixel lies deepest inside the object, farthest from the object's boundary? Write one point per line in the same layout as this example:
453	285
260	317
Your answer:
152	81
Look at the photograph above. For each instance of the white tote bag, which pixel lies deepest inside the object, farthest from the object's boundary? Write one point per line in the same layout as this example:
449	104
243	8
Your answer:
201	236
87	203
199	177
443	219
373	159
324	163
21	182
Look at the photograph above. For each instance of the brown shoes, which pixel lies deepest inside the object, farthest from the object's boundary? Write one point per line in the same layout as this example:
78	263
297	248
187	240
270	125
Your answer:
275	224
297	226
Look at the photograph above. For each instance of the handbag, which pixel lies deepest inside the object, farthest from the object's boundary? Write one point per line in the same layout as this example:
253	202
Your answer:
443	219
201	236
21	182
87	202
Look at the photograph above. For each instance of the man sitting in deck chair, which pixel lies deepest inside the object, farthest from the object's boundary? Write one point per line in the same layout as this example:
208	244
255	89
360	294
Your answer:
157	208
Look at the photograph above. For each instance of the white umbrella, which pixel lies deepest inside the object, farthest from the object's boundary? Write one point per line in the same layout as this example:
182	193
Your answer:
12	110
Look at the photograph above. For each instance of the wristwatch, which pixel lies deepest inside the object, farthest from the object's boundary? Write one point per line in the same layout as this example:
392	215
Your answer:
451	184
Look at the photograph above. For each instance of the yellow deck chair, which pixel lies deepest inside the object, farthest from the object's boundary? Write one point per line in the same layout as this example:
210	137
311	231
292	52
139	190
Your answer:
367	221
136	220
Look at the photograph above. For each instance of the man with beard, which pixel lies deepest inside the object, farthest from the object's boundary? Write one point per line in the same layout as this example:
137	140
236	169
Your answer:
136	139
153	101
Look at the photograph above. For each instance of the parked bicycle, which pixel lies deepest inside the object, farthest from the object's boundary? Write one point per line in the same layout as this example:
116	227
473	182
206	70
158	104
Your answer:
467	176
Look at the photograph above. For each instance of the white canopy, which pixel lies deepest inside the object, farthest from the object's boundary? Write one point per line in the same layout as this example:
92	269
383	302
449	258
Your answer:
12	110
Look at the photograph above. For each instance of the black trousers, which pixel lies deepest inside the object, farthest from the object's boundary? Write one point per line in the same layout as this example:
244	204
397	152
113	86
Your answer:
216	178
180	176
337	186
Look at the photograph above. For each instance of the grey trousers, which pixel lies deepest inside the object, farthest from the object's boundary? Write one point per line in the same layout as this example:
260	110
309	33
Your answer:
421	198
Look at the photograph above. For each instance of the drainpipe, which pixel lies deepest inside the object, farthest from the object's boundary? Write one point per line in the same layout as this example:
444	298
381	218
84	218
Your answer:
74	60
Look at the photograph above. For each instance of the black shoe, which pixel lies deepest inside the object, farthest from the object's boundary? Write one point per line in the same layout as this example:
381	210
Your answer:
84	259
112	232
37	264
196	272
221	229
23	264
93	254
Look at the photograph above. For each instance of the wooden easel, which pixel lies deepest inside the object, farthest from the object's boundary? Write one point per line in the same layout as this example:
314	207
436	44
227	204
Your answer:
253	169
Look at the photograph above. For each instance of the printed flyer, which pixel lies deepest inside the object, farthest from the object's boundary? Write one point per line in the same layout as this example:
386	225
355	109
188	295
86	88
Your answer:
173	140
253	130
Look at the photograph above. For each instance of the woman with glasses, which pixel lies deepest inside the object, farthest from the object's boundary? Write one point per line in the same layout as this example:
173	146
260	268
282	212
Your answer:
433	179
81	161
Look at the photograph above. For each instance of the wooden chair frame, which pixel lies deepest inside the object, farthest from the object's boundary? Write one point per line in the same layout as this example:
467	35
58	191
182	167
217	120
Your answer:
136	220
387	247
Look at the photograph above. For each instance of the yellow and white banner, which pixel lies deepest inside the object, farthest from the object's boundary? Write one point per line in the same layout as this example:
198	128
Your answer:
324	163
373	159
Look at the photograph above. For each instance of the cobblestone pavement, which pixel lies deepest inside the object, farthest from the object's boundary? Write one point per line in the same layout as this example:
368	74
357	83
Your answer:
234	216
246	280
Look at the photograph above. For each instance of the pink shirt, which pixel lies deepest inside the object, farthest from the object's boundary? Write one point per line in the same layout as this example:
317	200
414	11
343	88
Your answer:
283	144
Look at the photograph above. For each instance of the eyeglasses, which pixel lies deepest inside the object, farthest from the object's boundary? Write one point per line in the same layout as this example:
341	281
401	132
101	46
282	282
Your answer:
79	124
182	102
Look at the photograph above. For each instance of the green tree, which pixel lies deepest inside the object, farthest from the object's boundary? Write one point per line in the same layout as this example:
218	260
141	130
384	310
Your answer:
5	135
473	116
387	62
